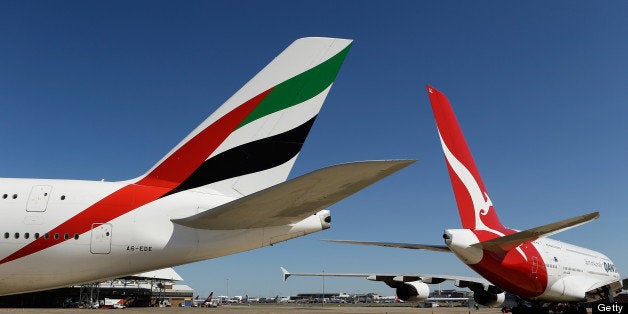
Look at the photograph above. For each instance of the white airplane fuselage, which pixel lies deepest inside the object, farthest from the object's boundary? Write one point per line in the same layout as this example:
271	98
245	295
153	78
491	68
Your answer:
141	239
569	266
544	269
220	191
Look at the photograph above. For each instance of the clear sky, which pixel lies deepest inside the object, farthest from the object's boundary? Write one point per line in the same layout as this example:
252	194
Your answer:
103	89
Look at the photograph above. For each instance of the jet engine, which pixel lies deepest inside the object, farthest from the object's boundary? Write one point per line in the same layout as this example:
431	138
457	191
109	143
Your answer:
415	291
488	299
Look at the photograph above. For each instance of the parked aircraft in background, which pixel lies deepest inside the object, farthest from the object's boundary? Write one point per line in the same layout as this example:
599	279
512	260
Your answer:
525	263
208	302
113	303
220	191
409	287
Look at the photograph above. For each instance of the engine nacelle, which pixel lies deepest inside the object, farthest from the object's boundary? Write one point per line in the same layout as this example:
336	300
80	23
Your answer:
415	291
488	299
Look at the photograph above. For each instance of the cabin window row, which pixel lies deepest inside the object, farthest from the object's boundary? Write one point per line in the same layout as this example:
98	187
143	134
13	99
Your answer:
36	235
14	196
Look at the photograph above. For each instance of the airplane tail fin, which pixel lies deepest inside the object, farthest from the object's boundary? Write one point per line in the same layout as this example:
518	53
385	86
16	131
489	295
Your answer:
252	141
474	205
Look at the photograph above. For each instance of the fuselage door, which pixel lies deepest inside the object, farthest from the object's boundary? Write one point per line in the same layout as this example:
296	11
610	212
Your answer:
101	238
38	199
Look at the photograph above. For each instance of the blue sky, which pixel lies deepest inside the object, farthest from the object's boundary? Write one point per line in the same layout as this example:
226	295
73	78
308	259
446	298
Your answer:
103	89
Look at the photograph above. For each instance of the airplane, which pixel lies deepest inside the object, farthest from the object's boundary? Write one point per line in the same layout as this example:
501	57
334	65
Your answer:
113	303
525	263
409	287
220	191
208	302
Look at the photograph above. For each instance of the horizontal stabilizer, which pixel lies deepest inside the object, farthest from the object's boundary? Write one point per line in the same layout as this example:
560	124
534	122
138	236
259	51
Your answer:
511	241
296	199
438	248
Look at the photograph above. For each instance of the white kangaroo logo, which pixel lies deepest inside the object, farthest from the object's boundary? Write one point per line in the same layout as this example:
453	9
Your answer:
481	205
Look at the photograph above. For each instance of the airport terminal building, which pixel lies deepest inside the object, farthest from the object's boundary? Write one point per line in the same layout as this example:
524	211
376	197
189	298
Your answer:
155	288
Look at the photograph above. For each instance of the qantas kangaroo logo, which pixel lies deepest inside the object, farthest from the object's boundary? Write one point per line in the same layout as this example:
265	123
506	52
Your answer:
481	202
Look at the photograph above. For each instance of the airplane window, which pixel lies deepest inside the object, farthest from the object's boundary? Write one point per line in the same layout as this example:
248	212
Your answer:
66	236
46	236
37	235
62	197
5	196
26	235
6	235
14	196
76	236
17	235
56	236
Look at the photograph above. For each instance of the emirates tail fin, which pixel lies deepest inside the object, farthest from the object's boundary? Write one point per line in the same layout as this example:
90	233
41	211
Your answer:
252	141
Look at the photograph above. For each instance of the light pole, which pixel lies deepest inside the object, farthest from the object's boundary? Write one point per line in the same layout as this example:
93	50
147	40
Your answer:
227	290
323	301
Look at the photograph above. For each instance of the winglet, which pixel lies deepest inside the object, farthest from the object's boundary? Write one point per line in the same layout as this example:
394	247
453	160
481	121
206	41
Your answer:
511	241
286	273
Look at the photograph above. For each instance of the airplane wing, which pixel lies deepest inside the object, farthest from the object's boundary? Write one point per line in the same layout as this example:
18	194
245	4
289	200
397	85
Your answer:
511	241
429	247
393	280
296	199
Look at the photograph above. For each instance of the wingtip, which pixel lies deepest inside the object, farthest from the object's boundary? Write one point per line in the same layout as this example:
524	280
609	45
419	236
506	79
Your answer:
407	161
398	164
592	216
286	273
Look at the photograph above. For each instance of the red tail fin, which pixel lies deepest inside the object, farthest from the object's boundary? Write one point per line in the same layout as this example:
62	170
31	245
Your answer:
474	205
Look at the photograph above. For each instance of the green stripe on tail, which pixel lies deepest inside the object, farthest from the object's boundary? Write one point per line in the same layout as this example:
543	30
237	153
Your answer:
299	88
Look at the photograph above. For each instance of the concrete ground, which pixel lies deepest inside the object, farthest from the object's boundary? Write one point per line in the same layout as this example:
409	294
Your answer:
267	309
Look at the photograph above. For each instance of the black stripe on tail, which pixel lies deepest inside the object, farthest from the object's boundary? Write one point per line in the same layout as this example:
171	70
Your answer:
249	158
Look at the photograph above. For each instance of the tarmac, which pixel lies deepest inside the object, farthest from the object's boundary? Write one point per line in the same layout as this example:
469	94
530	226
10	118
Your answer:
269	309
